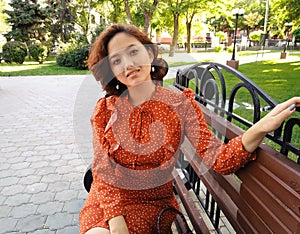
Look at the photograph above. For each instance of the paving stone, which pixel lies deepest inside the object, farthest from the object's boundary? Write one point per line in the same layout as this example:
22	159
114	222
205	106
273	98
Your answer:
24	172
31	223
39	164
58	186
66	195
23	210
12	190
36	188
17	199
50	208
51	178
59	221
20	165
42	197
7	225
73	206
8	181
31	179
4	211
68	230
46	231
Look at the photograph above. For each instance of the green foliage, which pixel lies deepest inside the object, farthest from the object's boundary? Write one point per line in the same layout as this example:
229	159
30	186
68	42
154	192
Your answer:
222	35
230	49
218	48
39	52
255	35
76	58
296	33
14	51
28	21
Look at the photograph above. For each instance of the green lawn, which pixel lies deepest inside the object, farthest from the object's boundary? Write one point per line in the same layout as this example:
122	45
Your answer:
31	68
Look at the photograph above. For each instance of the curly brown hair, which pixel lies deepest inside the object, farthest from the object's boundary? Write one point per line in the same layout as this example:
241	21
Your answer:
98	61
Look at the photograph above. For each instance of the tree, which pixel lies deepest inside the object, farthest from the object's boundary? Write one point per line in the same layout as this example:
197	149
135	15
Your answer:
252	20
28	21
282	12
63	19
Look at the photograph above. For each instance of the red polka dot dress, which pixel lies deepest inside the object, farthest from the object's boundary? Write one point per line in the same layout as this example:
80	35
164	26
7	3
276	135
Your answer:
135	150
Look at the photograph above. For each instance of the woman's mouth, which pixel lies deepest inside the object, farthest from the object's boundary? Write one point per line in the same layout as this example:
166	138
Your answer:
132	73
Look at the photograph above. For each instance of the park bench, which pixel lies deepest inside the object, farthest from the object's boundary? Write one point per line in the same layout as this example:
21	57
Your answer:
263	196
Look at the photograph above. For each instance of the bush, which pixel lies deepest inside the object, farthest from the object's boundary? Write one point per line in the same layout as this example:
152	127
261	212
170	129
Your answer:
14	51
38	52
230	49
79	57
255	35
64	59
76	58
218	48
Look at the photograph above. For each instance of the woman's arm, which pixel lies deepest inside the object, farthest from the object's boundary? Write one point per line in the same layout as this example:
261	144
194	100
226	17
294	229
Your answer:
254	135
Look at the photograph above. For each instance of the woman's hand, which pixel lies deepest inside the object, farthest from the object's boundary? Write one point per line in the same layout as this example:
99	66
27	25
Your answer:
117	225
282	111
254	135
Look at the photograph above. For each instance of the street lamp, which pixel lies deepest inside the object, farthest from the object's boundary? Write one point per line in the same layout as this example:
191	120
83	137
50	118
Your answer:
236	12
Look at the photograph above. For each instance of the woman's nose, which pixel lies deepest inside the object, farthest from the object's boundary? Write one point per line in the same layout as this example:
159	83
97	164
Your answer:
128	63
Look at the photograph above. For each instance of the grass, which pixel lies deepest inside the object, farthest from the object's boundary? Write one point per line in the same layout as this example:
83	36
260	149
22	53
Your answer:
32	68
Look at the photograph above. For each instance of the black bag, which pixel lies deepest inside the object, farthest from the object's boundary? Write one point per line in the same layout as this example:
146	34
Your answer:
172	209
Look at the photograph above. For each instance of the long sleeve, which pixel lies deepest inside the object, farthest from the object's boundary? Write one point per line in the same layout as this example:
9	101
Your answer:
223	158
110	198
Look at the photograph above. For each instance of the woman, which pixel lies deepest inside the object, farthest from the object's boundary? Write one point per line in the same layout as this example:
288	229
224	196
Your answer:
138	128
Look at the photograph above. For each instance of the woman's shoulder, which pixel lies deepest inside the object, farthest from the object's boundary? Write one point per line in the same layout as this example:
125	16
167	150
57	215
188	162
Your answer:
104	106
175	94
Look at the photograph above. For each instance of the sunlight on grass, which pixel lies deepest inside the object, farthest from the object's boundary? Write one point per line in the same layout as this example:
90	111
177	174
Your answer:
272	70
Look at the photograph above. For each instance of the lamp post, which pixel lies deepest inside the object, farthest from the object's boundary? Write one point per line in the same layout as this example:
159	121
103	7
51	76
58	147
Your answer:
236	12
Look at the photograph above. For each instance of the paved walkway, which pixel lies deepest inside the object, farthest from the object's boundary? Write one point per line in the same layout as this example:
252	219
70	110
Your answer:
45	147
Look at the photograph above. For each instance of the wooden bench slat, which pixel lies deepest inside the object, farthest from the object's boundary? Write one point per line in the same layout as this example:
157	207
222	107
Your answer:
275	186
263	206
190	207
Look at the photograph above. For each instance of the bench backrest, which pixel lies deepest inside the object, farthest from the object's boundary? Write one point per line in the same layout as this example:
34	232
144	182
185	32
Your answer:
262	197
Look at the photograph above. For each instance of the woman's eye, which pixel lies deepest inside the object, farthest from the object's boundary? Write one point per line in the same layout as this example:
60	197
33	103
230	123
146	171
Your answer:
116	61
133	51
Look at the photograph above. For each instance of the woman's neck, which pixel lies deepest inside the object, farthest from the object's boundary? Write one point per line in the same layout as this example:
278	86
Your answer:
140	93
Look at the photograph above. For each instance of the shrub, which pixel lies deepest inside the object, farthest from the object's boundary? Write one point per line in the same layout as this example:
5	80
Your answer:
64	59
218	48
76	58
255	35
79	57
230	49
38	52
14	51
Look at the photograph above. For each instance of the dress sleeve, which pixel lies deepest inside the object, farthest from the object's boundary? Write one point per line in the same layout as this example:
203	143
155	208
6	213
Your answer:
109	196
221	157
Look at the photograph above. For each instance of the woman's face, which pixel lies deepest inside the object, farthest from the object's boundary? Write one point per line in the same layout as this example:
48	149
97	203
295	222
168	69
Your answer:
129	60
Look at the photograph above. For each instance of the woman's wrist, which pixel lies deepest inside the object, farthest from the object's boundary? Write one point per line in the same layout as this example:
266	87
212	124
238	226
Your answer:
253	137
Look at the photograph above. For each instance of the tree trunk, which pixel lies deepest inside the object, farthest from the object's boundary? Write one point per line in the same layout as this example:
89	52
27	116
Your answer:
175	35
188	39
128	11
147	17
